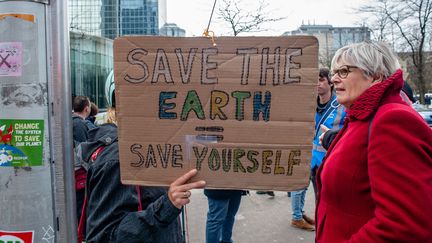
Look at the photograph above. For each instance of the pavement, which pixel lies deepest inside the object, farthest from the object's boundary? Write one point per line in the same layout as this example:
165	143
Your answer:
260	219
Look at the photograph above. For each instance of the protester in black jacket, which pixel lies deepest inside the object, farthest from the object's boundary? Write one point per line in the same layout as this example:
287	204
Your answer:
123	213
112	209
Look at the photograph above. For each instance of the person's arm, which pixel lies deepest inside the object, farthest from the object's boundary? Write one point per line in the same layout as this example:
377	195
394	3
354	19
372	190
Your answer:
112	208
400	173
160	213
328	136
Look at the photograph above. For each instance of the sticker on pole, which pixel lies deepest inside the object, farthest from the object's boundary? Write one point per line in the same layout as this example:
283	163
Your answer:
16	236
21	142
11	58
26	17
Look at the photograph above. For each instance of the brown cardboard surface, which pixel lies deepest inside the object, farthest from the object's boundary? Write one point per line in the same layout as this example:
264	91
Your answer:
183	103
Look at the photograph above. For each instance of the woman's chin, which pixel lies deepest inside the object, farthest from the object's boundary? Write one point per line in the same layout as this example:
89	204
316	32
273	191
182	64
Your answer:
341	100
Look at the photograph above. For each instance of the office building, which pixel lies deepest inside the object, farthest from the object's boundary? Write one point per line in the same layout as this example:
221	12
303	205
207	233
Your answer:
91	60
85	16
171	29
331	38
93	25
112	18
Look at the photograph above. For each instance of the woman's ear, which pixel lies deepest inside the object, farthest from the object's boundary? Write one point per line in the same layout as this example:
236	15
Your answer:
377	78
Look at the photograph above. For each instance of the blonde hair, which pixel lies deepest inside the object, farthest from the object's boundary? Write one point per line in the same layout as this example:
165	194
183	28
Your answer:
111	116
374	59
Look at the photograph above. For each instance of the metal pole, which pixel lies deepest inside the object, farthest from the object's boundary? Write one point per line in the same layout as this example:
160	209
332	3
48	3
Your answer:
27	183
62	122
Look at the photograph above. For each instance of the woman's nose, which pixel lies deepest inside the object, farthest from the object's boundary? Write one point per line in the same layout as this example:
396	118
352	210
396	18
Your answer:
335	79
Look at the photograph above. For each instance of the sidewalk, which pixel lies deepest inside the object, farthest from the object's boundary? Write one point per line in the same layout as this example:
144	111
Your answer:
261	219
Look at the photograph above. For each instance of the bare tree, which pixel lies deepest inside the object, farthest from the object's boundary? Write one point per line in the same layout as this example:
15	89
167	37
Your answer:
325	59
379	27
241	21
412	21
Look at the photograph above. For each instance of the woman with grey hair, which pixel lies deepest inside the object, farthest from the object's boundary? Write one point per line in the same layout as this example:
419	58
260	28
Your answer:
375	184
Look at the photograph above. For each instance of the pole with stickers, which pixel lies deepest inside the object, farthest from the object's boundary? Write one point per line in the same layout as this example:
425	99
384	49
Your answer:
36	170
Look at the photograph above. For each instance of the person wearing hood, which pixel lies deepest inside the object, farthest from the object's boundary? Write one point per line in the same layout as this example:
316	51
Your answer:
374	184
121	213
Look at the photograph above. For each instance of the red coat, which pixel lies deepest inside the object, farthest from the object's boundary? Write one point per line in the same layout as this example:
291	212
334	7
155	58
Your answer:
376	186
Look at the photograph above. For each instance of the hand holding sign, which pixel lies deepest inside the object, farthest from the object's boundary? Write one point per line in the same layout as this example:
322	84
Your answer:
179	193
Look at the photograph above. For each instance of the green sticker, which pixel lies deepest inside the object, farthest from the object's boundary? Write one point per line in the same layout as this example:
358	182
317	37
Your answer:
21	142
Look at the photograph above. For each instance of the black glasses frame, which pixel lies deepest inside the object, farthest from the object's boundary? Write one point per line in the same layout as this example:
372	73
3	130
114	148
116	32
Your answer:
343	71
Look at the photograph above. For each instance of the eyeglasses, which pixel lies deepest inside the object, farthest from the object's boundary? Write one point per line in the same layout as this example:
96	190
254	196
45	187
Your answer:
343	71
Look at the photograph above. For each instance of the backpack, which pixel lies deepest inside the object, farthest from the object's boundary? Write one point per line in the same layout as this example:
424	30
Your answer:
80	168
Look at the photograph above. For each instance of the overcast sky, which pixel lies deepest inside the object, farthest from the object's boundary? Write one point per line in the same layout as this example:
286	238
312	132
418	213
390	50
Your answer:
193	15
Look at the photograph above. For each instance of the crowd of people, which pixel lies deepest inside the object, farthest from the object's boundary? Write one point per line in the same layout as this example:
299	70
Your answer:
371	166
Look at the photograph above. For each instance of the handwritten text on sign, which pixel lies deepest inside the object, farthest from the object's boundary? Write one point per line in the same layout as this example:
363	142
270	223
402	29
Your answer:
240	109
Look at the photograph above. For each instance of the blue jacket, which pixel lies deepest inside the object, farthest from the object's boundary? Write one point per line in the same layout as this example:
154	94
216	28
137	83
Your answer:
332	116
112	208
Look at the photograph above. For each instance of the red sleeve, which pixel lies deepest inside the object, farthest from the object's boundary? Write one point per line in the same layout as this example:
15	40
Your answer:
400	173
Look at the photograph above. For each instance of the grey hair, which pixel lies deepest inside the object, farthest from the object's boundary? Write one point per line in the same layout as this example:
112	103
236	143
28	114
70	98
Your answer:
374	59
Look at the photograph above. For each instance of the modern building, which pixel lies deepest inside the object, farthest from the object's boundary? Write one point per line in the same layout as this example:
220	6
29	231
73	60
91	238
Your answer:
109	14
332	38
91	62
85	16
112	18
162	12
93	25
138	17
171	29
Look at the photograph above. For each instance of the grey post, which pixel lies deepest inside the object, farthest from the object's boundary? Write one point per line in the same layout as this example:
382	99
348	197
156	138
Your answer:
39	196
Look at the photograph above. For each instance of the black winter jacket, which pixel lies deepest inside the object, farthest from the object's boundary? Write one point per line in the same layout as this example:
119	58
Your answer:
112	208
79	129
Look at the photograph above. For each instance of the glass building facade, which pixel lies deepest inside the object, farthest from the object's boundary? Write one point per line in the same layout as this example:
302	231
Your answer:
139	17
343	36
109	18
91	62
332	38
171	29
112	18
93	25
85	16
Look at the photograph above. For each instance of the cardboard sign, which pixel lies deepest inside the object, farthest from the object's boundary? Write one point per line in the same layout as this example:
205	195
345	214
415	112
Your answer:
241	112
